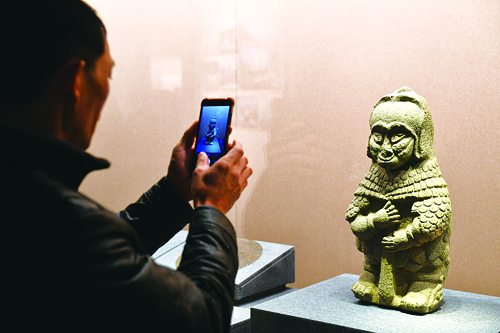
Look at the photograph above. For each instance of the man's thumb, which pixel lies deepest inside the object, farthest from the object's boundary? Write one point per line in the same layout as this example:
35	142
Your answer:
202	160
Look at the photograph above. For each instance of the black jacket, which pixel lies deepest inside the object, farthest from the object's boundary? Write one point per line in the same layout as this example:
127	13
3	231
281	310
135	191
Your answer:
70	265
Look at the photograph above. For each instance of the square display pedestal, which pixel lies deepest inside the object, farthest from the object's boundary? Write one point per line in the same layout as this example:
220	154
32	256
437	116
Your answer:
264	279
330	306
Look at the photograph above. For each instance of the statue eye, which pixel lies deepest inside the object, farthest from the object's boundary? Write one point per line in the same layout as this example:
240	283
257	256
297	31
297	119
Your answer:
397	137
377	137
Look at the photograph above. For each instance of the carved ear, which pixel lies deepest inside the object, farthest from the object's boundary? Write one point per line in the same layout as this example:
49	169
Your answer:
417	148
425	147
368	149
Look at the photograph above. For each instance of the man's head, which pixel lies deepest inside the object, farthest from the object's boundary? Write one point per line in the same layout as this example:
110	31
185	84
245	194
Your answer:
38	38
55	67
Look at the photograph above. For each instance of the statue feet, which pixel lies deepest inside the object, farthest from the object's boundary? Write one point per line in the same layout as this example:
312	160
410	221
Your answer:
422	297
365	288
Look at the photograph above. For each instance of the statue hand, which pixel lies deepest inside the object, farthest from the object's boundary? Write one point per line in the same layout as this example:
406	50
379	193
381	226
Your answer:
386	216
397	242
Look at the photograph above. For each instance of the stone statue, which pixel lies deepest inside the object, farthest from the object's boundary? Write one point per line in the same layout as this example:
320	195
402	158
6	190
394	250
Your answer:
212	131
401	212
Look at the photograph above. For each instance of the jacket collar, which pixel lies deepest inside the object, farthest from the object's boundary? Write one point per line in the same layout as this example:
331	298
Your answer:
27	150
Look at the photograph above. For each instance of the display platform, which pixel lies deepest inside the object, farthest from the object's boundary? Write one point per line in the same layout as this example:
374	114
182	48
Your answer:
240	322
273	269
330	306
265	270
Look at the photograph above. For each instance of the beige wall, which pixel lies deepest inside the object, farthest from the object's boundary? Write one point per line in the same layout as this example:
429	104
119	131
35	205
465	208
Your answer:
305	75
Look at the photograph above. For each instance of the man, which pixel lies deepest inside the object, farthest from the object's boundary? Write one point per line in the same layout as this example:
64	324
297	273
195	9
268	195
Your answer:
69	265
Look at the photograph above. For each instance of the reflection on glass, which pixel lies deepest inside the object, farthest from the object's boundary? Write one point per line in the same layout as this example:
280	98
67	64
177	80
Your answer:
245	65
166	73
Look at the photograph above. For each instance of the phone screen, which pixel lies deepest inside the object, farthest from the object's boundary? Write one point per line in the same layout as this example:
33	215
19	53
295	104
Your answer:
213	128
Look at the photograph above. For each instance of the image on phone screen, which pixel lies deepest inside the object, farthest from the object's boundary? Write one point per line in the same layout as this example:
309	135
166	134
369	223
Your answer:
212	134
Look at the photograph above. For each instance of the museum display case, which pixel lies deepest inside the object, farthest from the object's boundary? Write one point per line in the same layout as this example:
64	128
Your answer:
305	77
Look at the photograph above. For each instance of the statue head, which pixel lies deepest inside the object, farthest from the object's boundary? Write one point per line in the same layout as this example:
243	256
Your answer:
401	130
212	123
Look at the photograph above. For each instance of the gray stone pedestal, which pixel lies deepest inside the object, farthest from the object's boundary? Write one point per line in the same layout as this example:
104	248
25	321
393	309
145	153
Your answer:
330	306
264	279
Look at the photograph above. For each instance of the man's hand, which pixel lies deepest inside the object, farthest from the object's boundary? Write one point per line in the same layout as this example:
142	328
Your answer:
220	186
179	170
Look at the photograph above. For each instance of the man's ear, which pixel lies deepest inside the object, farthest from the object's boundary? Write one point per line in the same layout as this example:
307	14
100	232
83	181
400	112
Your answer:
73	82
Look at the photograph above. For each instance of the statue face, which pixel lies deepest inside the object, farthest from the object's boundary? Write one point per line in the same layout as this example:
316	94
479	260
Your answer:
392	140
391	145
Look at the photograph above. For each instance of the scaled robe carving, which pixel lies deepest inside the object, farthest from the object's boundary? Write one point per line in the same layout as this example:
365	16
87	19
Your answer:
401	213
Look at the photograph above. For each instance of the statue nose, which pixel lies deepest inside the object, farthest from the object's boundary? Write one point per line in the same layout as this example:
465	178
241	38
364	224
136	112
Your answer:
386	149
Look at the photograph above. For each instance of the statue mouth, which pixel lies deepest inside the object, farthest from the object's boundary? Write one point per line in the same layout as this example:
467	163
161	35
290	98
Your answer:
390	160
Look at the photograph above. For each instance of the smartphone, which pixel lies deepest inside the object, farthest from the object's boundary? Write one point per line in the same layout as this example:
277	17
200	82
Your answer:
214	127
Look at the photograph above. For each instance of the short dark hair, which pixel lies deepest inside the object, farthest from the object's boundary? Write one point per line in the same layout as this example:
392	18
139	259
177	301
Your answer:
38	37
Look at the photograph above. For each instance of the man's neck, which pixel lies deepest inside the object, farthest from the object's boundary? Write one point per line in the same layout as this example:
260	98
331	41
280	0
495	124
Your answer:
41	117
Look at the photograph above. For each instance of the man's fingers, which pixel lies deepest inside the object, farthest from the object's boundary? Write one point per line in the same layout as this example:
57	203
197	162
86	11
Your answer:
247	172
235	152
189	135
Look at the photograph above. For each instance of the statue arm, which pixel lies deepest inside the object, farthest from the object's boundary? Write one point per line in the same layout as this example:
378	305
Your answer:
360	224
433	217
363	227
365	224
